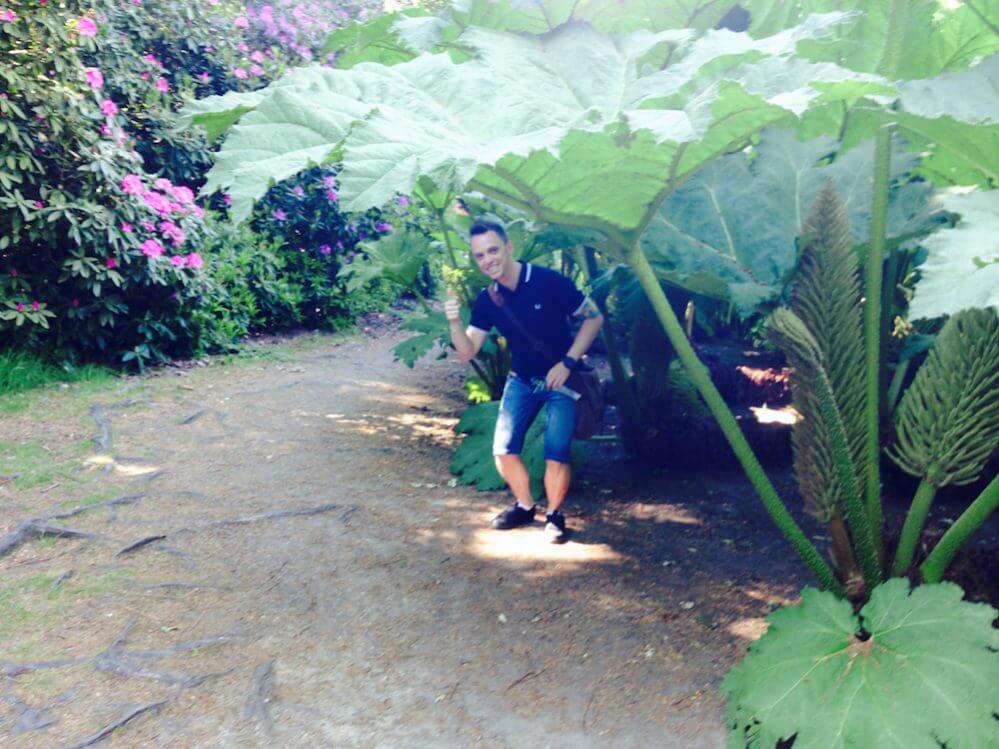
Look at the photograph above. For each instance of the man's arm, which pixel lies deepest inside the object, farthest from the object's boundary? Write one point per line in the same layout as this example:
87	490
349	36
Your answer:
467	341
588	331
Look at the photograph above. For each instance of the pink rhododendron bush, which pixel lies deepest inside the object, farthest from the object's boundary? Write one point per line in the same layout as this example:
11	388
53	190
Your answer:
106	252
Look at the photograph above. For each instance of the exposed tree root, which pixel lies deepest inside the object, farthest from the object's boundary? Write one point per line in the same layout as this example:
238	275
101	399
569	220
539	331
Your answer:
30	529
29	718
101	440
115	725
39	526
193	416
61	579
10	669
261	693
139	544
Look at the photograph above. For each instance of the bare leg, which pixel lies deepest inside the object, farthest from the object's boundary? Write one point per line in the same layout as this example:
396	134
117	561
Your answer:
514	472
556	483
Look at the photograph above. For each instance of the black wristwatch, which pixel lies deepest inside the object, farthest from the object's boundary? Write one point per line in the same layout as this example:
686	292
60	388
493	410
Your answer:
570	363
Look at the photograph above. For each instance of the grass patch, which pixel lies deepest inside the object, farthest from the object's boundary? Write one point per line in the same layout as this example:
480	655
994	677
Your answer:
35	464
20	371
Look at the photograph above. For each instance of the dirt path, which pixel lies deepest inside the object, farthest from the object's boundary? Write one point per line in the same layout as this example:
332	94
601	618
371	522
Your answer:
307	577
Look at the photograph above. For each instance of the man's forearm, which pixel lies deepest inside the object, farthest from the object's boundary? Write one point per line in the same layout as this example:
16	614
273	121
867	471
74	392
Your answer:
464	345
587	334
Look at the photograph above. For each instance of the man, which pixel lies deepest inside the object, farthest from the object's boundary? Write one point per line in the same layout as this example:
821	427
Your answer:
534	320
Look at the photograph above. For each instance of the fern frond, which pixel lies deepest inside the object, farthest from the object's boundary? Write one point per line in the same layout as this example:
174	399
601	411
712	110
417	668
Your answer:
948	421
827	299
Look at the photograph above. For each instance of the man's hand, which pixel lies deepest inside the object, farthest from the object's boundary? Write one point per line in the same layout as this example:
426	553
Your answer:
452	308
557	376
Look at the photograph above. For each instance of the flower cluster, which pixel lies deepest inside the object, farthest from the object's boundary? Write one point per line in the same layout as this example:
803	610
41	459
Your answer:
170	203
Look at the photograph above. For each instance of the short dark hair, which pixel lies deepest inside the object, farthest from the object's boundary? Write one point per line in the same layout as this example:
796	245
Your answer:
482	225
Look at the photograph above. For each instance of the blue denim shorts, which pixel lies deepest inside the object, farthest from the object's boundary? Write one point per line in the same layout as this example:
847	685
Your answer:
521	402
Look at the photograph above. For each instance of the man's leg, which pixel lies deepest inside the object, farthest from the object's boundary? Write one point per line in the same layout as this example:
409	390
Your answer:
557	475
514	473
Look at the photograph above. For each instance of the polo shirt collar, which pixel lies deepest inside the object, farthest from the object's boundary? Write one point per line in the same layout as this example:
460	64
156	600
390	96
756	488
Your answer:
525	277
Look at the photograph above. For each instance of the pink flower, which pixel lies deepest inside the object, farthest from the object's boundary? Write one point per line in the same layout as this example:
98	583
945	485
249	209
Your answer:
227	199
109	108
7	15
329	182
183	194
20	307
256	70
144	75
162	183
240	74
384	226
325	250
331	195
402	201
95	78
75	302
147	225
299	192
280	215
126	227
157	202
194	260
197	210
86	27
13	272
205	78
39	204
35	306
111	263
136	2
131	184
242	47
173	232
162	85
257	56
177	261
242	22
151	59
152	248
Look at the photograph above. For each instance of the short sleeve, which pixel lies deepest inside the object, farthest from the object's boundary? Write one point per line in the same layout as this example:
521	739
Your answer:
570	299
482	313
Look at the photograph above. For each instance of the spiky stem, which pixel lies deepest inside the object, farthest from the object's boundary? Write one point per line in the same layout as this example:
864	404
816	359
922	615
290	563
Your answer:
698	374
872	280
912	527
955	537
842	551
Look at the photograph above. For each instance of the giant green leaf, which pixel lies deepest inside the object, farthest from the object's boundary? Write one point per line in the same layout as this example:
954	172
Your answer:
396	258
432	332
916	670
737	220
937	36
569	134
962	268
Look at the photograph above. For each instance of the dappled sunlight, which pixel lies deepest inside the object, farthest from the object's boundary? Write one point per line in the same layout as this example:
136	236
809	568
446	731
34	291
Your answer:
783	415
419	425
529	545
664	513
108	463
749	629
760	593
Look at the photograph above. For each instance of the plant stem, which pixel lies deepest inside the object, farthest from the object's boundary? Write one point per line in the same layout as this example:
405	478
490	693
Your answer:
872	330
955	537
698	374
913	526
622	388
842	551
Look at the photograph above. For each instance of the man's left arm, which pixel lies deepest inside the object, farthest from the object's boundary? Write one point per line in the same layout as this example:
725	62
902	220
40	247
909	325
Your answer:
592	322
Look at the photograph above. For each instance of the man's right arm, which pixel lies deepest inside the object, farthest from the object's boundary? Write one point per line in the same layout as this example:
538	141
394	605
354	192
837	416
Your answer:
467	341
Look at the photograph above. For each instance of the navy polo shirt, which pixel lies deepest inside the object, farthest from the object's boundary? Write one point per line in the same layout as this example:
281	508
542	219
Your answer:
543	302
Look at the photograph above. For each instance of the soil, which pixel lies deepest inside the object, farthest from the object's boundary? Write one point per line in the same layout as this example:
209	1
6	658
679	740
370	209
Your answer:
305	574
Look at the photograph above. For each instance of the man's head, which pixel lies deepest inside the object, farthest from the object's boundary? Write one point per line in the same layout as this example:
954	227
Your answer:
491	249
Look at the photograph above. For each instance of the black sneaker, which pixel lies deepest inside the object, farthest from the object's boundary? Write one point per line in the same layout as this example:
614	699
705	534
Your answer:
515	517
555	527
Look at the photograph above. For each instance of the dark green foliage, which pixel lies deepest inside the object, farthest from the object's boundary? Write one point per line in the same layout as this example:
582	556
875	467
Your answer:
472	461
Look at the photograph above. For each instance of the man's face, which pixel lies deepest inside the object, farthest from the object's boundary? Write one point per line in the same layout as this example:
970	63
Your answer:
492	254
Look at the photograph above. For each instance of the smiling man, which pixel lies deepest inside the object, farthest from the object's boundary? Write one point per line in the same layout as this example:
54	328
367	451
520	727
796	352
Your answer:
531	307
